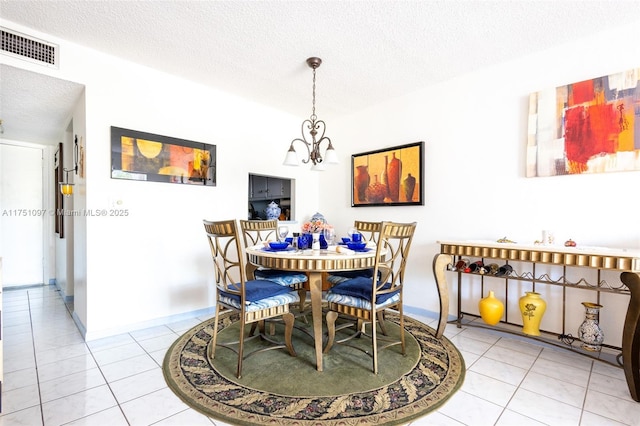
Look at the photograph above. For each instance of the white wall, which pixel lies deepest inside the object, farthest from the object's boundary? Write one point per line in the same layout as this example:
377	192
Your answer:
475	129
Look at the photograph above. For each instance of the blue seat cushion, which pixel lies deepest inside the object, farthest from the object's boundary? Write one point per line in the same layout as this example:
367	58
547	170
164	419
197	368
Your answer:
255	290
286	278
361	287
341	276
367	273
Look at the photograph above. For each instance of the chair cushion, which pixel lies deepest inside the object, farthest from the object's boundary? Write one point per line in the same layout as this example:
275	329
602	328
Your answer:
269	302
361	287
285	278
358	302
256	290
341	276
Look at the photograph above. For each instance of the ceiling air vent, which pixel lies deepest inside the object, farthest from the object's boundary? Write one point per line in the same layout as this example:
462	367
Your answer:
29	48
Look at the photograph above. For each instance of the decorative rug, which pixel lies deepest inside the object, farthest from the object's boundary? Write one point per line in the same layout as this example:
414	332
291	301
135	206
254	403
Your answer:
279	389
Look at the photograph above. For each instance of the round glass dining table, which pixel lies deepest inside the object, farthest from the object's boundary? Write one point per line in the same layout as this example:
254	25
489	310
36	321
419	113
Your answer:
314	262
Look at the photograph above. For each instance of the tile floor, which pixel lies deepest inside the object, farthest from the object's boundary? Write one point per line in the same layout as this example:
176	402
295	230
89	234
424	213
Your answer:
52	377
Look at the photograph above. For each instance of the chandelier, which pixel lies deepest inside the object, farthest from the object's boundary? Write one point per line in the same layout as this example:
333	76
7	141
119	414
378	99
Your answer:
311	128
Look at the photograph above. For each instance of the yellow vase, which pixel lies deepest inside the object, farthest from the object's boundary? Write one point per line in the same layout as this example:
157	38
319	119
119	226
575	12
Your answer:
491	309
532	308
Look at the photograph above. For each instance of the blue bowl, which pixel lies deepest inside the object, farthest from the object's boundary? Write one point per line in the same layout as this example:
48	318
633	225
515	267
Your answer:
289	240
346	240
356	246
276	245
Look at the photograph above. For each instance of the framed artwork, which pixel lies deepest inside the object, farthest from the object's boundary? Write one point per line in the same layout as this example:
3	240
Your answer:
388	177
592	126
58	197
144	156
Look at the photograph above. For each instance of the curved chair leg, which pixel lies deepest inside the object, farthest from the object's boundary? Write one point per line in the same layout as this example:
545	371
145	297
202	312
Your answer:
374	344
302	293
211	350
383	329
241	349
288	331
331	327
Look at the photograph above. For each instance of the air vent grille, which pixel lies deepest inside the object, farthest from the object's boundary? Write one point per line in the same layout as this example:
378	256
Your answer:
30	48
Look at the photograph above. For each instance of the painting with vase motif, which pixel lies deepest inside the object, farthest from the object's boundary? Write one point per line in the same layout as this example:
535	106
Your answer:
388	177
592	126
144	156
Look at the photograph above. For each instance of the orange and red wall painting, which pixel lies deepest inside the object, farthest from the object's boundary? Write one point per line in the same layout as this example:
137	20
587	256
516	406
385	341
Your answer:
592	126
144	156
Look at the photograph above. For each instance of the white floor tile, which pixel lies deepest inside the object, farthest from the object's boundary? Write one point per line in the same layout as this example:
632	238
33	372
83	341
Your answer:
159	342
499	370
118	353
18	379
138	385
70	384
27	417
467	344
488	388
576	375
128	367
511	357
543	409
511	418
20	398
471	410
559	390
612	408
65	367
78	405
153	407
110	417
590	419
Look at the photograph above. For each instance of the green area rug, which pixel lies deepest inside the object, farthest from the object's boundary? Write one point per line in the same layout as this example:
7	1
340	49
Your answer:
279	389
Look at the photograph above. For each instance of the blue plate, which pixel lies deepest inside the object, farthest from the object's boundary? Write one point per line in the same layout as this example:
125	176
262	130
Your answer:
277	245
362	250
356	245
288	248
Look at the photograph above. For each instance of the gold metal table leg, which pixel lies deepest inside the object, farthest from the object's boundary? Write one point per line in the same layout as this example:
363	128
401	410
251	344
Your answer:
440	262
315	288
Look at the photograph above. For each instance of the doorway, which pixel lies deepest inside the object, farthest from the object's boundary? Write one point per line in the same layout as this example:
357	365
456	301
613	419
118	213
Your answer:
22	215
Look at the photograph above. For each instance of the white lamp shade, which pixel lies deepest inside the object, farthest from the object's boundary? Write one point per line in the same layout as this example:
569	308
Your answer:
330	156
291	159
319	167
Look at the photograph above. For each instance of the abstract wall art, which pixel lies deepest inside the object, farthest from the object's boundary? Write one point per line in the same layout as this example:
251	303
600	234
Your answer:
592	126
145	156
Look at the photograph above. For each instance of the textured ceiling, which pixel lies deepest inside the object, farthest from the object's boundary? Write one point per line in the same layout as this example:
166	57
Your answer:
371	50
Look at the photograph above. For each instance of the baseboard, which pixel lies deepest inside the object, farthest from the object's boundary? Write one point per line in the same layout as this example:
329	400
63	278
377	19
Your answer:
144	324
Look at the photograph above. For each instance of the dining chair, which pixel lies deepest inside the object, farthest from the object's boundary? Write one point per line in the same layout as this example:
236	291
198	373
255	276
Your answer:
255	300
370	232
255	232
363	299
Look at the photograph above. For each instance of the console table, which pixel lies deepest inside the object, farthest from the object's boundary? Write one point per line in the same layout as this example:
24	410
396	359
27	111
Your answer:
627	262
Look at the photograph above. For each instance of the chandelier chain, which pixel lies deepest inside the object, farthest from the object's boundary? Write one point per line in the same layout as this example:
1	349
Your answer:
313	110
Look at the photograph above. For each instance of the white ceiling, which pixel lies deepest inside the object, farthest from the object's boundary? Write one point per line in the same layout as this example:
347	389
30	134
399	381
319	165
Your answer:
371	50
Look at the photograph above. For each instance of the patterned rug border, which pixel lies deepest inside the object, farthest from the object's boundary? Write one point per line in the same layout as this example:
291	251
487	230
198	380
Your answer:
434	379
